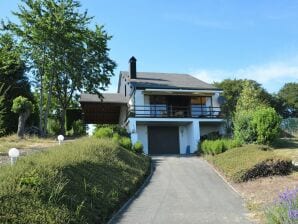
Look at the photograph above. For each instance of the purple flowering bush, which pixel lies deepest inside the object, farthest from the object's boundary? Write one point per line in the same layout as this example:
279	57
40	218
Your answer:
284	209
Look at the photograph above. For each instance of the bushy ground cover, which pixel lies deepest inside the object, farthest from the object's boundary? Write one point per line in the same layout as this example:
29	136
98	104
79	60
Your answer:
84	181
249	162
284	209
218	146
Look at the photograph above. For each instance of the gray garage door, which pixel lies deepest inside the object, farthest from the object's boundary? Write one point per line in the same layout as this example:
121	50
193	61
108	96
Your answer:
163	140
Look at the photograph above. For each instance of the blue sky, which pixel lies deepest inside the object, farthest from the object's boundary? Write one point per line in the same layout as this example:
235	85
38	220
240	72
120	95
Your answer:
211	40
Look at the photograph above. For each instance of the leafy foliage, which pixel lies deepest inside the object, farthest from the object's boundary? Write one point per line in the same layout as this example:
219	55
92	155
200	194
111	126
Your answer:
250	98
289	94
85	181
244	131
13	82
138	147
78	128
66	55
266	122
21	105
125	142
104	132
218	146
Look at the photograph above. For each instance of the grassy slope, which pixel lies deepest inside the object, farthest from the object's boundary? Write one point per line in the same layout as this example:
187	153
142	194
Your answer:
80	182
235	162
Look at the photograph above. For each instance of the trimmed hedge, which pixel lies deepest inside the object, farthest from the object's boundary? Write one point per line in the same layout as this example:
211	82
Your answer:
84	181
214	147
250	161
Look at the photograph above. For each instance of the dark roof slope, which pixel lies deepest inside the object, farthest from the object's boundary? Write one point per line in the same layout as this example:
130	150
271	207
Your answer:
168	81
107	98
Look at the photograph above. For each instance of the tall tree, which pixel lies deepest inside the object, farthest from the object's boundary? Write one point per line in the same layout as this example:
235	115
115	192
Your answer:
66	54
250	98
14	80
232	89
289	94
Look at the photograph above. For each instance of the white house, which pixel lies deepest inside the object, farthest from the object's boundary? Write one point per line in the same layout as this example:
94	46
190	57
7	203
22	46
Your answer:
168	113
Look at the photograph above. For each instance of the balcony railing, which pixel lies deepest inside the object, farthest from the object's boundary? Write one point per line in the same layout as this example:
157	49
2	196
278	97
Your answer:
169	111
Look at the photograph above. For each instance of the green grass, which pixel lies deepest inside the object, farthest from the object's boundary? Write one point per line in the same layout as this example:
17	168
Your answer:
242	163
78	182
287	147
29	142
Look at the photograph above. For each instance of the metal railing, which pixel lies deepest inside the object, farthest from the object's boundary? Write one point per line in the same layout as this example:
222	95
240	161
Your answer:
170	111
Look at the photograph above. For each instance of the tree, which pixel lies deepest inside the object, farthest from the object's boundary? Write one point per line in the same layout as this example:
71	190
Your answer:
13	81
23	107
232	89
66	54
250	98
289	94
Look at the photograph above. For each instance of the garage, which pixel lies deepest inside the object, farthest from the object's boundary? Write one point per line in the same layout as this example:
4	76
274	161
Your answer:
163	140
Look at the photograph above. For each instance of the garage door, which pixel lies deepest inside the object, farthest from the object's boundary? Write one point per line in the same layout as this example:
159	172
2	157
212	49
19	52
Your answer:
163	140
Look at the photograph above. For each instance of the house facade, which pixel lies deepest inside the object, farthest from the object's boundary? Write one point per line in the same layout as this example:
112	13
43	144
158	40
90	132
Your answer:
168	113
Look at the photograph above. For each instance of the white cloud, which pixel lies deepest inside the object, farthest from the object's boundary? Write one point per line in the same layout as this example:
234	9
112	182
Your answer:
271	75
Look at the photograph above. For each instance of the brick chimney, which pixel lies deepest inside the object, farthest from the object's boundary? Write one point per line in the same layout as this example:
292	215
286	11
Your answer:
133	67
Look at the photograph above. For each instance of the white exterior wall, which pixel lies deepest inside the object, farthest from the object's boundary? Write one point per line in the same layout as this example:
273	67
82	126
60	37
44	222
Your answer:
189	130
142	131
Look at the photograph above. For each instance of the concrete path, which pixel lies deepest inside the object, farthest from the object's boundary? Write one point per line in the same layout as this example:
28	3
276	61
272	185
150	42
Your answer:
184	190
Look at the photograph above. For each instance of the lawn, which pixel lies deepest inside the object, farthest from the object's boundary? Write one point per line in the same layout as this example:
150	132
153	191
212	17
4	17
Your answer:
29	142
287	147
84	181
261	192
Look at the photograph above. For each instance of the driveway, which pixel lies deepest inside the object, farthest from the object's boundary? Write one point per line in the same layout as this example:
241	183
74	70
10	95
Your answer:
183	190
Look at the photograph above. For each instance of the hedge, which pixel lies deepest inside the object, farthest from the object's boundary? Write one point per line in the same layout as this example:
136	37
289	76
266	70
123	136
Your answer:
214	147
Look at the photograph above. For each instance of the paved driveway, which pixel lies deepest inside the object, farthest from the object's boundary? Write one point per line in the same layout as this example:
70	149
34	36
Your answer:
184	190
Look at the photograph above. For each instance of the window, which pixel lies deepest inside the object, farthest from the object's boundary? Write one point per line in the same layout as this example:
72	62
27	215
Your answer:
125	90
158	106
199	106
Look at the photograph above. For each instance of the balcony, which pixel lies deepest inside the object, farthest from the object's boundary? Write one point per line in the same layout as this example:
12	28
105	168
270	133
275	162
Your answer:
170	111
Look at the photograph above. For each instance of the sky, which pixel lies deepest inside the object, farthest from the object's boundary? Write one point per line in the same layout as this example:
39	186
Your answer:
211	40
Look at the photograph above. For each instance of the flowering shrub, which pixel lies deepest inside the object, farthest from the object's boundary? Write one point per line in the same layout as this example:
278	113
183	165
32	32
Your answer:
285	208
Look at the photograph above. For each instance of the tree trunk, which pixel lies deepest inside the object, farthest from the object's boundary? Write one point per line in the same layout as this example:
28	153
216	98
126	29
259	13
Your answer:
48	107
62	121
22	123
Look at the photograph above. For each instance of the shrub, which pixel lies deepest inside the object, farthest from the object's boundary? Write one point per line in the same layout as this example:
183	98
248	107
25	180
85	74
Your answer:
267	125
116	137
116	129
261	126
249	162
244	131
84	181
284	210
214	147
138	147
125	142
104	132
53	127
78	128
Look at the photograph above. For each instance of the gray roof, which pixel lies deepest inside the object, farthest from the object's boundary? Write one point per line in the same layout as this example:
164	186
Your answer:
168	81
107	98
